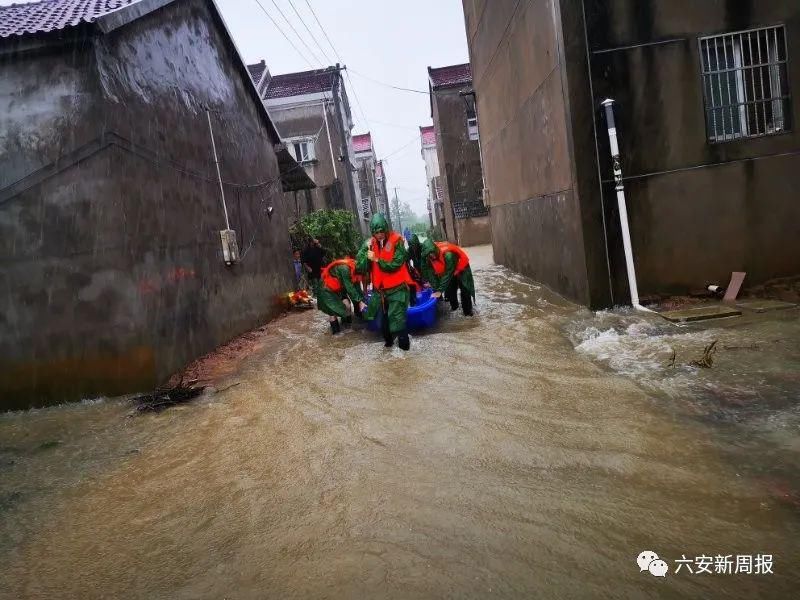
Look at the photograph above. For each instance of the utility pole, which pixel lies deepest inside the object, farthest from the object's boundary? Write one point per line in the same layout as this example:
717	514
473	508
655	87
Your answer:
341	117
397	211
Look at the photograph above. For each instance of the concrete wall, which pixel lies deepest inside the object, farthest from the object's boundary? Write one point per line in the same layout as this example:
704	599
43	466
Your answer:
519	74
459	165
113	265
694	226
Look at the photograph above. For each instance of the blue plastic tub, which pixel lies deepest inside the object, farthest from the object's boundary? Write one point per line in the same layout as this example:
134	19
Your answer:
421	316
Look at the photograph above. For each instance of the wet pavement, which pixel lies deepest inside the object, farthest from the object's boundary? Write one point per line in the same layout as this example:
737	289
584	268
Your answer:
532	451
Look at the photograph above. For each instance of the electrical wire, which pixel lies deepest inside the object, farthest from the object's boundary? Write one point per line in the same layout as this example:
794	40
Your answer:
388	85
325	33
299	37
275	23
401	148
313	37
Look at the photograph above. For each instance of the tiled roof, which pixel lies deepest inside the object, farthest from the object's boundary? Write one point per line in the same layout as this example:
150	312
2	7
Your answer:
428	135
257	71
53	15
449	76
362	143
297	84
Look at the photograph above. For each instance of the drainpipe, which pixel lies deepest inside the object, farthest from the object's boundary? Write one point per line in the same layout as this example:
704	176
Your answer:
330	143
608	104
219	174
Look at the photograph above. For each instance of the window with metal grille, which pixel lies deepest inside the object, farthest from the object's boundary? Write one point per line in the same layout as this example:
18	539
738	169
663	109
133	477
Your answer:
366	208
745	84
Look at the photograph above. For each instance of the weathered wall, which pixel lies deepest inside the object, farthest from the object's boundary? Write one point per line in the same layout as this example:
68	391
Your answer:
114	265
460	163
518	71
702	220
474	231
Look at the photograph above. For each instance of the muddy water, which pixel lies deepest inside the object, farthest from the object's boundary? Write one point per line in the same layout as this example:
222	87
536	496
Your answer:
494	460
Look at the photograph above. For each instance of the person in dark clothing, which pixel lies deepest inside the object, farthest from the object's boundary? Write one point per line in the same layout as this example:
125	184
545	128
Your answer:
413	263
313	260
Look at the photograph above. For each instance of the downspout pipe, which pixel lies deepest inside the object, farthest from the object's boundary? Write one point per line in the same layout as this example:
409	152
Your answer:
608	105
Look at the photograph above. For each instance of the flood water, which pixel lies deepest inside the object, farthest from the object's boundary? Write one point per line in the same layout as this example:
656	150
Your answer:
532	451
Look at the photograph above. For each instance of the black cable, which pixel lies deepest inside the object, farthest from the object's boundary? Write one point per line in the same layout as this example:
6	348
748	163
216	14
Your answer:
388	85
302	41
325	33
299	16
274	22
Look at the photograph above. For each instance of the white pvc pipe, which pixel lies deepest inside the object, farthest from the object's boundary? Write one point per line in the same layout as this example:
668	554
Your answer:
330	143
219	174
623	207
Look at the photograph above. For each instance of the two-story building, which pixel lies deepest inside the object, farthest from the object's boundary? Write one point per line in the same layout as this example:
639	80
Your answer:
312	114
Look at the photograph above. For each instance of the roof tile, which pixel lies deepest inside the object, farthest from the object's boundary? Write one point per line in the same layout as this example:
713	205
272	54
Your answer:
257	71
428	135
450	76
297	84
362	142
53	15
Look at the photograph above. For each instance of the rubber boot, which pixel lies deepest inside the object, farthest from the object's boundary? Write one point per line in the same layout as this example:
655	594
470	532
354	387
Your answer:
347	321
403	341
466	302
335	327
388	338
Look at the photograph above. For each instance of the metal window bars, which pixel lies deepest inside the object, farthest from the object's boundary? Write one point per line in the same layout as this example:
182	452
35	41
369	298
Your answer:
745	83
466	209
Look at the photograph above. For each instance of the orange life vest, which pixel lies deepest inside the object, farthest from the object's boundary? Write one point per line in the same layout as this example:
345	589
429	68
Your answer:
331	282
382	280
438	263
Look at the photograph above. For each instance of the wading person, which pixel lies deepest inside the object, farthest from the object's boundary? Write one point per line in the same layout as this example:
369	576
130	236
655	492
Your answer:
339	291
313	259
413	264
446	267
384	255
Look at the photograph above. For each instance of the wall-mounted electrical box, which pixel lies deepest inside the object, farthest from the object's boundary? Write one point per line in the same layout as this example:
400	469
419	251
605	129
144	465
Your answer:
230	249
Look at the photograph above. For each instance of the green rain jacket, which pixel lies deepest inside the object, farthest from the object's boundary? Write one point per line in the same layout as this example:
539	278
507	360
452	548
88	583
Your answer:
441	283
396	298
332	303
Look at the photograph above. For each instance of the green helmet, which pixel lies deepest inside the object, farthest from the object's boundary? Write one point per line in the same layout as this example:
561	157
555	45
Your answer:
429	248
378	224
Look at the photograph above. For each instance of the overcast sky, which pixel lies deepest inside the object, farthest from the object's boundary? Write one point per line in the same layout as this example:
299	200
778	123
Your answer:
388	40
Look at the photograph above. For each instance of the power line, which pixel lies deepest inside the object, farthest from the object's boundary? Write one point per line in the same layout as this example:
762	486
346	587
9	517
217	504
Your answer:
358	102
388	85
313	37
302	41
325	33
403	147
296	49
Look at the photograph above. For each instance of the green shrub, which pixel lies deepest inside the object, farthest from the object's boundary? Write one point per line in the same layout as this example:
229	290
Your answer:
334	229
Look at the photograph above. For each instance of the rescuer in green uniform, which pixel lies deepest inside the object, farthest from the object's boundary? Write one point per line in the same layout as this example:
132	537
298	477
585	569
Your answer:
446	267
384	257
339	291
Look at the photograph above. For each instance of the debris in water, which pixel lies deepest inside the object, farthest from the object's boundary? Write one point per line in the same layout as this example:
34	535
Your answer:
671	364
162	398
707	360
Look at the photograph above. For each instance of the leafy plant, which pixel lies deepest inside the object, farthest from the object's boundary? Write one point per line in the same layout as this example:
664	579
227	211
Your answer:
334	229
